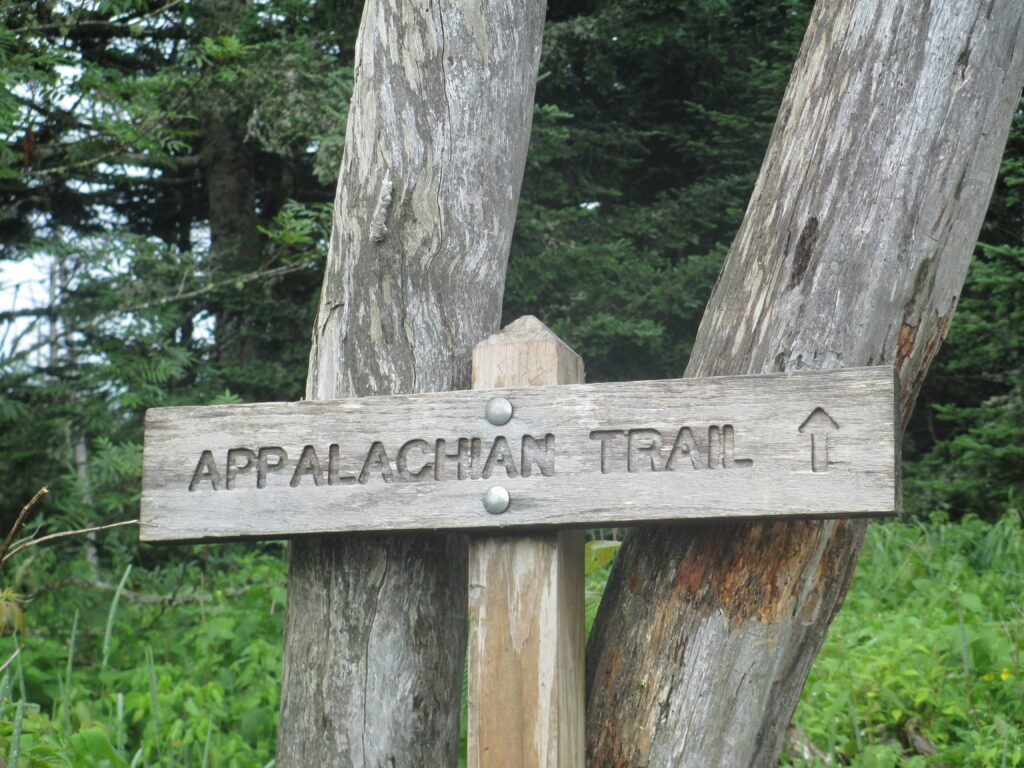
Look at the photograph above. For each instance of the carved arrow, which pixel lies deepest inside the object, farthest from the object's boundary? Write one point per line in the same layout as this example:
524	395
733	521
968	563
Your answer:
818	425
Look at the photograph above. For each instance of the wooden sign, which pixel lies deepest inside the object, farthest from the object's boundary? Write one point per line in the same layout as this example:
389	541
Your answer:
819	444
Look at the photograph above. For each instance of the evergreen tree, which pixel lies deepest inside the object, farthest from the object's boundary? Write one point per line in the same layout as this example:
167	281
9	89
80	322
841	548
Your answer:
651	124
173	163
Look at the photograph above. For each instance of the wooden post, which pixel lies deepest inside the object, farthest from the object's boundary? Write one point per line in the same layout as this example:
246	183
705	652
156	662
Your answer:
526	598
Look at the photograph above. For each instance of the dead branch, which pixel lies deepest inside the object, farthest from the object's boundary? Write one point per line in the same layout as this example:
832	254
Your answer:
146	598
20	521
13	656
62	534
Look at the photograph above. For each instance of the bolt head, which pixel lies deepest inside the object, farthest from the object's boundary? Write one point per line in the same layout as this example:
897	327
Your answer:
498	411
496	499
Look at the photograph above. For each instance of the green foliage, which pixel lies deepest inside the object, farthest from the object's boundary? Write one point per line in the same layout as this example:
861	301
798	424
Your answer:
928	645
652	120
597	558
172	165
12	614
136	680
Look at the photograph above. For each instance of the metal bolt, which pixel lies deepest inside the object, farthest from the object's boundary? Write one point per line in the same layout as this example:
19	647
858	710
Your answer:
496	499
498	410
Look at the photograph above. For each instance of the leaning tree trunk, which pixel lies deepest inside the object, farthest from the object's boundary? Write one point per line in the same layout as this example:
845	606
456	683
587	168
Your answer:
434	157
853	251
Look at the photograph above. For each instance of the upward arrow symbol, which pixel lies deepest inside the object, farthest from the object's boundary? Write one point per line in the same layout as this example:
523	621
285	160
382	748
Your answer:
818	425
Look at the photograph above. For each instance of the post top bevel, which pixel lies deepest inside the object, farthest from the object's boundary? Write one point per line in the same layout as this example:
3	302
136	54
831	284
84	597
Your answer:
527	328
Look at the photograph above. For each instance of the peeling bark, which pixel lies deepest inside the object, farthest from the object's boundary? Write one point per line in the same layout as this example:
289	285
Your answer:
434	157
852	252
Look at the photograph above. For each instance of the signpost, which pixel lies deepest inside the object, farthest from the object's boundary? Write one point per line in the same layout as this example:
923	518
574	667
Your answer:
513	456
818	444
526	679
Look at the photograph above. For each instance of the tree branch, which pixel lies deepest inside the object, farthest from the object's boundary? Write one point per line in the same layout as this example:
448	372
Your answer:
247	278
20	521
127	25
144	127
62	534
12	657
14	314
54	310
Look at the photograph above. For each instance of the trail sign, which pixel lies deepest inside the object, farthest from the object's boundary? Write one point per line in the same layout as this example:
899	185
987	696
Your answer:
539	457
818	444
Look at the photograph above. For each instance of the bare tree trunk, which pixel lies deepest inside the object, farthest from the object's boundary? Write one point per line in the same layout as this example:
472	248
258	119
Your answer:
434	157
853	252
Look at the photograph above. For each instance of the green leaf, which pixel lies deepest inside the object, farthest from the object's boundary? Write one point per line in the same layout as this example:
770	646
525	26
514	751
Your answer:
92	742
598	554
971	602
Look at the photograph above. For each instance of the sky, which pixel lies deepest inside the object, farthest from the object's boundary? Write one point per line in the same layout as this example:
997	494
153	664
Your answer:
23	284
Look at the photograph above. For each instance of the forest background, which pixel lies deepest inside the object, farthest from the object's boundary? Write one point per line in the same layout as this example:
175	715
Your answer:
169	168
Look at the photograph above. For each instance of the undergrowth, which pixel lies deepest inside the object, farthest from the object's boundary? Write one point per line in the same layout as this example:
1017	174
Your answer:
922	666
180	665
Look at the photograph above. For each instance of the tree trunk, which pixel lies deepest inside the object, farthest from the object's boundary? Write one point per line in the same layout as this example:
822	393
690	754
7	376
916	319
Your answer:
235	245
853	251
434	157
229	168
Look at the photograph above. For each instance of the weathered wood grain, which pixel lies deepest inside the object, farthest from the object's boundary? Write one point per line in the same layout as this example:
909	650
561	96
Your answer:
852	252
434	154
526	599
782	445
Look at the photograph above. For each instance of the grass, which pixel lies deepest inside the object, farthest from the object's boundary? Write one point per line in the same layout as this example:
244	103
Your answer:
922	666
